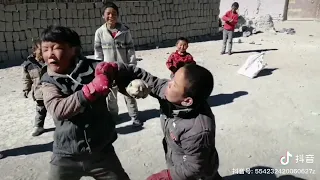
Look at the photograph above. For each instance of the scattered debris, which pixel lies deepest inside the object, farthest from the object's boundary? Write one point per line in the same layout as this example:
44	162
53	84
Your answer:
249	156
237	40
311	35
290	31
315	113
252	42
233	64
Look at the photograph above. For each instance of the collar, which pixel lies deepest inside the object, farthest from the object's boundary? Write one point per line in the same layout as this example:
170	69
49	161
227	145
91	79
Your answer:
177	52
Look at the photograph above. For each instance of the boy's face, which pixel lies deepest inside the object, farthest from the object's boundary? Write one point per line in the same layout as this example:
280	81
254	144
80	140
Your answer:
234	9
182	46
110	16
175	92
58	56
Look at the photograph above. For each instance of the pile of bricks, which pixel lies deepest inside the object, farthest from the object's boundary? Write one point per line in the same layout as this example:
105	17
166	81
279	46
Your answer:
150	22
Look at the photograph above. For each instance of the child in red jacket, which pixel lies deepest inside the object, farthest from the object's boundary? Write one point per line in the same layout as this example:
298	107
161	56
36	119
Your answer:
181	57
231	19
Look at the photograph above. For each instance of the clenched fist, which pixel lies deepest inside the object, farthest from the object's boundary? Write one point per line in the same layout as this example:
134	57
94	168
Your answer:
138	89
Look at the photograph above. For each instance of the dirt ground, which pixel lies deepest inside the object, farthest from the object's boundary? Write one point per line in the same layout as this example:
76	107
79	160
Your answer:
258	120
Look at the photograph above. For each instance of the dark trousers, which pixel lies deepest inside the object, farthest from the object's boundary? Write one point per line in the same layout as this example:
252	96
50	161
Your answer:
41	113
227	38
101	167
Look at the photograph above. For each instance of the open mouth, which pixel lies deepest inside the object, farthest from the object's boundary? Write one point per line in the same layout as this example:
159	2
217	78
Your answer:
54	62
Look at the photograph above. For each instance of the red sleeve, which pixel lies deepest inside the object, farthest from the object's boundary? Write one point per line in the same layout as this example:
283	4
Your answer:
189	59
226	17
170	61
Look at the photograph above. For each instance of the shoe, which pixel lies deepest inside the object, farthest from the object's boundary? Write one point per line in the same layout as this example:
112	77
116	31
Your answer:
229	53
137	123
37	131
1	156
222	53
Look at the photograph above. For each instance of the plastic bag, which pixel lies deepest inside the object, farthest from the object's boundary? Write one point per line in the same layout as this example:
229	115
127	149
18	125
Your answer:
253	65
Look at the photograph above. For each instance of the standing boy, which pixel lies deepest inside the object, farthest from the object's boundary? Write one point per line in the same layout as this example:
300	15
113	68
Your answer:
113	43
74	91
180	57
31	77
231	19
188	123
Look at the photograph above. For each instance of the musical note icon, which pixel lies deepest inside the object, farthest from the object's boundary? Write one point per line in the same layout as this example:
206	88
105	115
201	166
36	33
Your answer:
284	160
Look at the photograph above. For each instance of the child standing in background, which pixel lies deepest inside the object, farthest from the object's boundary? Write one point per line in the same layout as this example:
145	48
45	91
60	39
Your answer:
231	19
181	57
31	77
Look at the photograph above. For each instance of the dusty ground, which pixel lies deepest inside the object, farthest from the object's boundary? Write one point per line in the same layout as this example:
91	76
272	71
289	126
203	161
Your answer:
258	120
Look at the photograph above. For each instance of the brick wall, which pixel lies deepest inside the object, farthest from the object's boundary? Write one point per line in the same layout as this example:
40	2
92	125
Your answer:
151	22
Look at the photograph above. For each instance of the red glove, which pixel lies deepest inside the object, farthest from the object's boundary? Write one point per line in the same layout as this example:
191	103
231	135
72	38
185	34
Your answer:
163	175
99	86
108	69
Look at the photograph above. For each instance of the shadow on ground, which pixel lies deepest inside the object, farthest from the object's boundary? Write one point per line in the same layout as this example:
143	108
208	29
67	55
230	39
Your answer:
223	99
143	115
254	50
266	72
261	173
26	150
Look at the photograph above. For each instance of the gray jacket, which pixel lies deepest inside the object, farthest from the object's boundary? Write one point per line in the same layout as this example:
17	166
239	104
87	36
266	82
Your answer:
189	134
117	49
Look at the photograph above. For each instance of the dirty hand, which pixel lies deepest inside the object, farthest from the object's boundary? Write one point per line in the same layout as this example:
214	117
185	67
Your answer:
163	175
25	94
107	68
138	89
99	86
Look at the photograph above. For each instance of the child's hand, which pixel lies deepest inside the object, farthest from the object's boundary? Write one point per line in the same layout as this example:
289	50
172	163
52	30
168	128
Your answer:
230	20
99	86
108	69
138	89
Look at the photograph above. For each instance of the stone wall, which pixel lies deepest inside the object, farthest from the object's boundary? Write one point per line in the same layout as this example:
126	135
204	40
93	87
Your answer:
151	22
255	8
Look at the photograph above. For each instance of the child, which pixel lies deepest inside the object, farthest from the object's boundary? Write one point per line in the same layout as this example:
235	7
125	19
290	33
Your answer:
74	92
231	20
180	57
113	42
188	123
31	78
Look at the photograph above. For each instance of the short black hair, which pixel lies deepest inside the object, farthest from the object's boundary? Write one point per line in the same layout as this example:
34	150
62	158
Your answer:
183	39
61	34
35	44
235	4
201	83
110	5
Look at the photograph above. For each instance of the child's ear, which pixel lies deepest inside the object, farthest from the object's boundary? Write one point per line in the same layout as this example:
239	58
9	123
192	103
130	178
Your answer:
187	102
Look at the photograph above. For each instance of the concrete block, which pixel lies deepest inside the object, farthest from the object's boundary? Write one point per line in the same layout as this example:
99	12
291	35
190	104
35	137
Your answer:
89	39
83	31
69	23
49	22
4	55
22	36
9	26
21	7
74	13
45	14
69	13
23	45
92	13
98	22
86	22
89	5
75	23
8	16
80	14
23	15
2	39
63	13
32	6
3	47
16	45
28	34
72	6
42	6
24	53
92	22
62	6
16	26
86	13
17	55
98	5
81	23
30	15
34	33
89	31
98	13
36	23
81	6
52	5
82	39
16	16
29	44
56	13
10	8
63	22
37	14
9	46
56	22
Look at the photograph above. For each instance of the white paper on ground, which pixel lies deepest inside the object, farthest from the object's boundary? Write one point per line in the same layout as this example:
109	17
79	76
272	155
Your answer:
253	65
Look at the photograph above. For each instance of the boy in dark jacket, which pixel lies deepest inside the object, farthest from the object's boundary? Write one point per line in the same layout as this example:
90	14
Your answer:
180	57
31	82
74	91
188	123
231	19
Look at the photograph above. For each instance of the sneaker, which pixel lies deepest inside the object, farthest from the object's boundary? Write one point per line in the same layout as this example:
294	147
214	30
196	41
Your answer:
222	53
37	131
229	53
1	156
137	123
